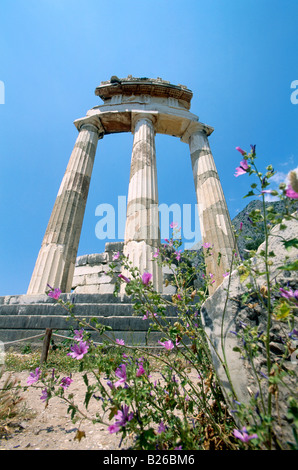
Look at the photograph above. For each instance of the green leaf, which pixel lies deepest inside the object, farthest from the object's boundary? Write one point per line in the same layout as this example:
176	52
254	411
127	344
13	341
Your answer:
282	311
85	377
249	194
289	243
290	266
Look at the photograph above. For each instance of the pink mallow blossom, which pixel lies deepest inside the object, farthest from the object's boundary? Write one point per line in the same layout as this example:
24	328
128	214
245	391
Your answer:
289	294
122	418
121	374
78	351
140	371
242	169
120	341
78	335
65	382
146	278
161	427
240	150
167	344
34	376
244	436
116	256
147	315
125	279
54	293
44	395
291	193
207	245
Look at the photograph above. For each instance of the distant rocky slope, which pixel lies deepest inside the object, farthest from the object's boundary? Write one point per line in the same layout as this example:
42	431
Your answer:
251	237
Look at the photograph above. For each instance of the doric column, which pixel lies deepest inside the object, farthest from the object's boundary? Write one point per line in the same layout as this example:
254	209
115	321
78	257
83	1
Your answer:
142	234
215	222
56	259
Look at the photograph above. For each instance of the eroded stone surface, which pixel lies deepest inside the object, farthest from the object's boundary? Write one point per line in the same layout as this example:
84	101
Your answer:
224	314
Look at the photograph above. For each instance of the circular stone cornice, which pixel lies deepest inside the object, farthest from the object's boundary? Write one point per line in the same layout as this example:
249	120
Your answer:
143	86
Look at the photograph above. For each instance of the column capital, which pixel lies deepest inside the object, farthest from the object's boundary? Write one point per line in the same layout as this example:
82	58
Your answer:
94	124
136	116
196	127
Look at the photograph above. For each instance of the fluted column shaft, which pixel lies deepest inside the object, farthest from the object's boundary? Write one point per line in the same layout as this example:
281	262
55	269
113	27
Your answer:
215	222
56	259
142	234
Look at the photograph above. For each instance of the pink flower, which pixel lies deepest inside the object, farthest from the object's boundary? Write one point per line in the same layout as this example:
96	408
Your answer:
242	169
34	376
241	225
121	374
178	255
79	350
78	335
167	344
291	193
113	428
289	294
161	428
140	370
122	418
207	245
120	341
44	395
156	254
147	314
116	256
65	382
54	293
146	278
226	274
244	436
124	278
174	225
240	150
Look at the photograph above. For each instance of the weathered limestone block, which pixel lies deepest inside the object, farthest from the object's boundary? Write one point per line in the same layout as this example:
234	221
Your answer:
224	316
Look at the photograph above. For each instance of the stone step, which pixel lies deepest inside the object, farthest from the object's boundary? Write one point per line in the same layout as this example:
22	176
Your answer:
27	322
104	310
73	298
18	338
23	316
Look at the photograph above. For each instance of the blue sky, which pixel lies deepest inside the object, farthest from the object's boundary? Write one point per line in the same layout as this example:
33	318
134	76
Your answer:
239	57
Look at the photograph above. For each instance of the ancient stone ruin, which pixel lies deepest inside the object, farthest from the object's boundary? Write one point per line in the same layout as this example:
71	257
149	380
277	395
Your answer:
144	107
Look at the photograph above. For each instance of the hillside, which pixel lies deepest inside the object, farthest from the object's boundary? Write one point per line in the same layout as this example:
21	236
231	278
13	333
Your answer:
252	236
